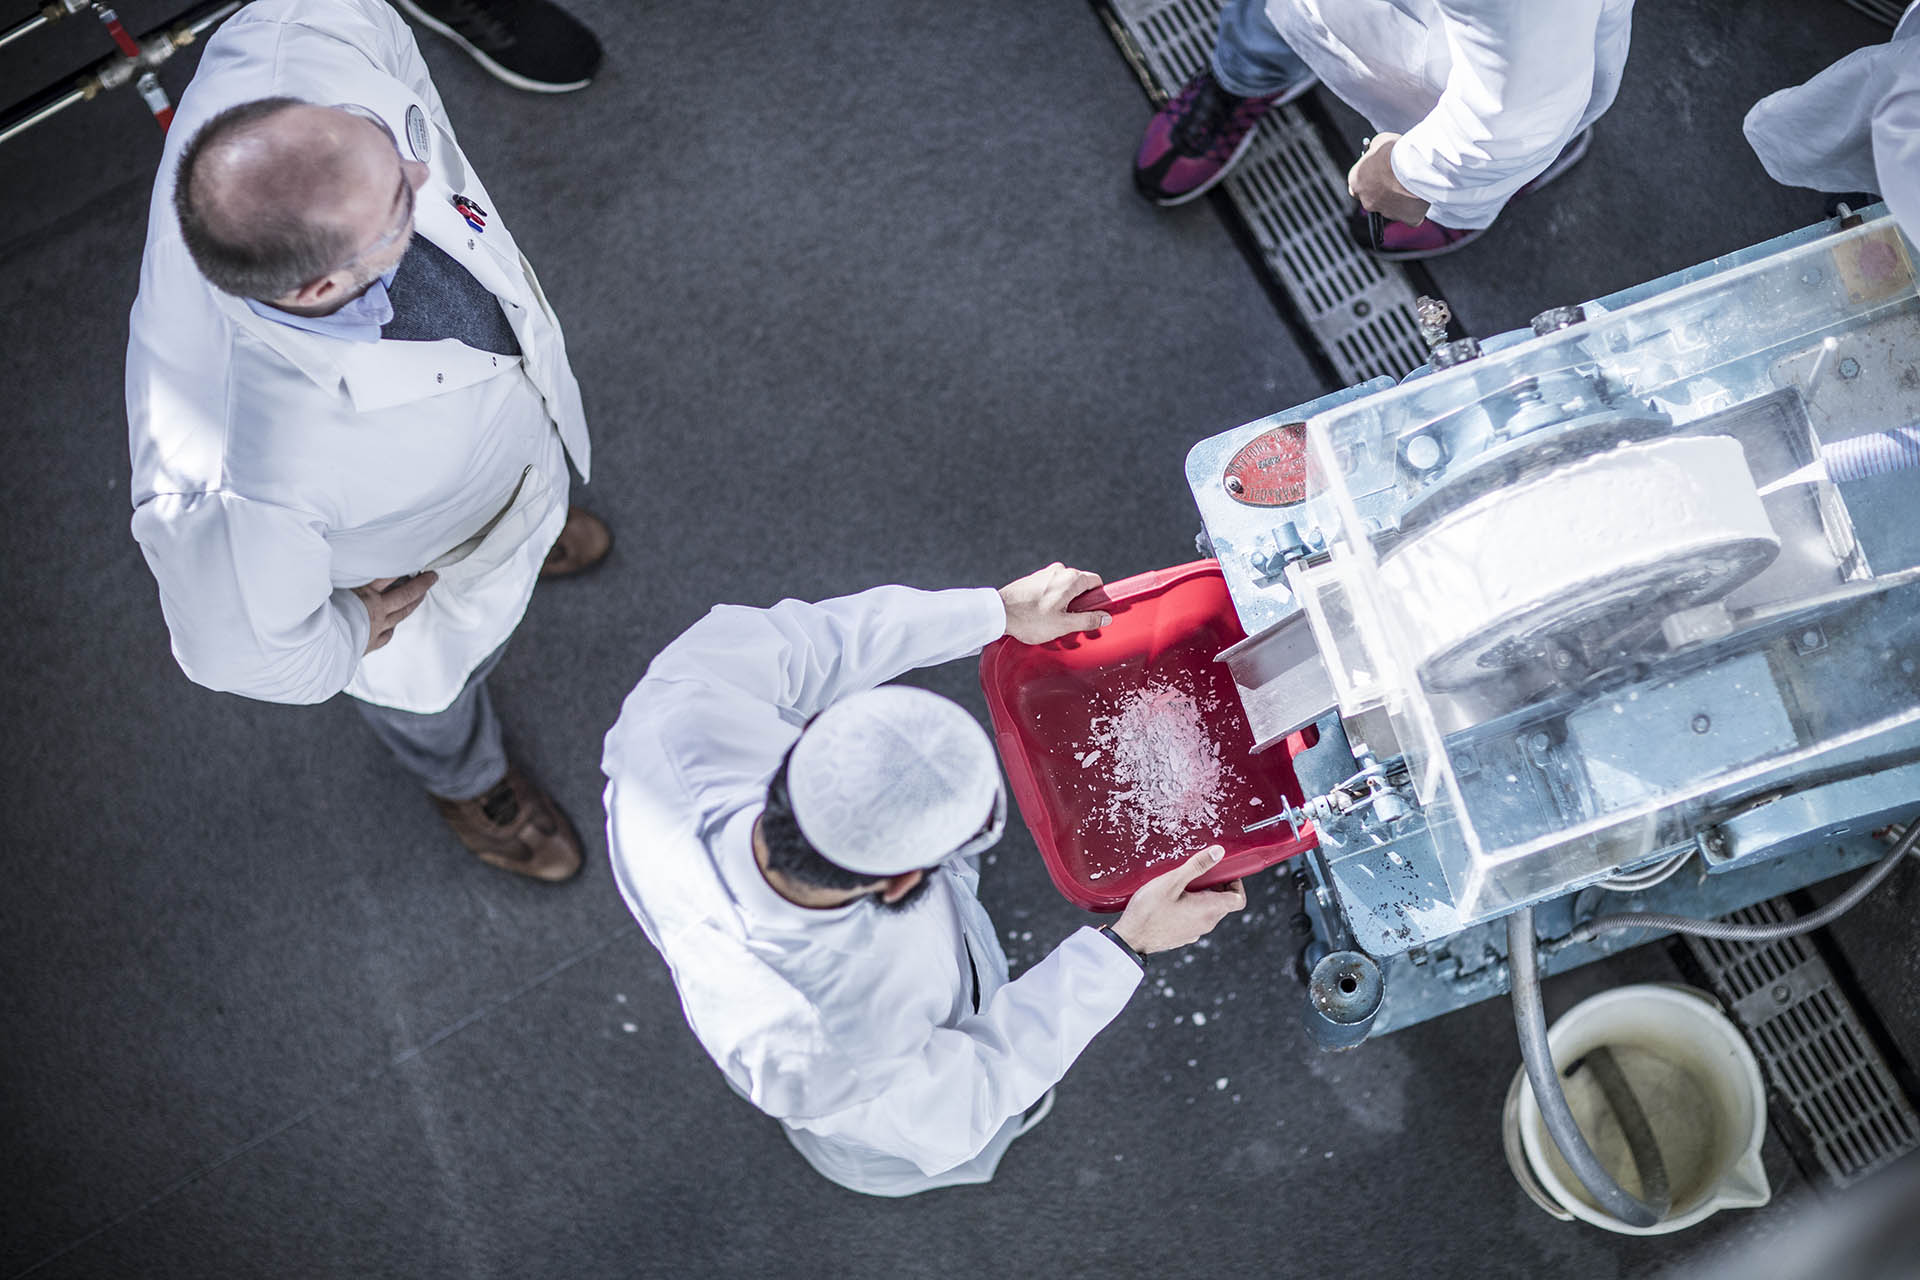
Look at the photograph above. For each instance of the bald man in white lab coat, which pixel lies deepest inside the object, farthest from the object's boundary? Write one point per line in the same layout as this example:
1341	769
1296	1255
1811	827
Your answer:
350	408
803	849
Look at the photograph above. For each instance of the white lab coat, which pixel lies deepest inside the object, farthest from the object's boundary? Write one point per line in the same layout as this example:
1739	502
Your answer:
1485	92
1853	127
275	469
854	1027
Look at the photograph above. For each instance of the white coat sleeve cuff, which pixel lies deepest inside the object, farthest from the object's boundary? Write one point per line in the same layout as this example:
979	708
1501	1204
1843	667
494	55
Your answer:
1449	202
986	613
359	627
1413	164
1119	974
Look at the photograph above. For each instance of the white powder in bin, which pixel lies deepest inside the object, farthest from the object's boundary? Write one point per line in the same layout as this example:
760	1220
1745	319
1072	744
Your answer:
1162	769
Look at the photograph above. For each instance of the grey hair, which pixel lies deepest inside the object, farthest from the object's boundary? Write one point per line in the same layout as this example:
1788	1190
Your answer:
272	253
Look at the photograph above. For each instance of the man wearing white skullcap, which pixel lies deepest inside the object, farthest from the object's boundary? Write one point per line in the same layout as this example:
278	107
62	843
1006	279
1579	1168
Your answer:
772	814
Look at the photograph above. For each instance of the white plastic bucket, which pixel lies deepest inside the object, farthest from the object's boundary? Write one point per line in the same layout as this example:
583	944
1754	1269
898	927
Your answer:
1698	1083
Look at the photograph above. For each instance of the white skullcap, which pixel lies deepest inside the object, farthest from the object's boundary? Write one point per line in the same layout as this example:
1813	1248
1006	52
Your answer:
893	780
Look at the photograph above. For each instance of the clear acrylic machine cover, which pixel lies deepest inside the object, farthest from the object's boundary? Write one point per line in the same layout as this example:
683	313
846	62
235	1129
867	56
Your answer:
1597	587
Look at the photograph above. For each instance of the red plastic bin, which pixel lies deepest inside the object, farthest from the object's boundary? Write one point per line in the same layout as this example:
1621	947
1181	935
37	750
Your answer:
1046	699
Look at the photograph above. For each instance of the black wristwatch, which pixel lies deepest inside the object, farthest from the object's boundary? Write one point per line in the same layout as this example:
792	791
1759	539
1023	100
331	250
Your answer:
1123	944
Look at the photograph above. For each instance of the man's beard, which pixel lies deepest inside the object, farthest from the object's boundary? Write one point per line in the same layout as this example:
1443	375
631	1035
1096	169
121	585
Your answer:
910	897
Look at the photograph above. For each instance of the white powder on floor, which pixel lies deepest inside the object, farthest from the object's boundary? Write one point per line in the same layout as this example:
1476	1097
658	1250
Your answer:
1164	772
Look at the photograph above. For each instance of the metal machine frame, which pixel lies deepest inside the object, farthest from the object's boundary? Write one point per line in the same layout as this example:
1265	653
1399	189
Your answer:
1401	929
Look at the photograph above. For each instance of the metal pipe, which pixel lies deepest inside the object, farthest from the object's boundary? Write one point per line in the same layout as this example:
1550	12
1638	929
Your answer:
35	115
32	24
50	12
112	72
1530	1020
197	22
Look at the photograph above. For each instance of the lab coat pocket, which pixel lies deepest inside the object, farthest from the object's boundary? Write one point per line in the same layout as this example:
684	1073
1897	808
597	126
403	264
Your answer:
495	544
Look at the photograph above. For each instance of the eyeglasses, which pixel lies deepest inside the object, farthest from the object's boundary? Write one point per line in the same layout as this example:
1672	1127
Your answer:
405	226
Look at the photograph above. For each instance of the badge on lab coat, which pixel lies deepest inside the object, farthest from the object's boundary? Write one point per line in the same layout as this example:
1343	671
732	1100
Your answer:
418	140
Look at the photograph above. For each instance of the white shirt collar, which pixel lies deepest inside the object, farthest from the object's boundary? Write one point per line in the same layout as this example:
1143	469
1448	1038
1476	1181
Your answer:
733	854
359	321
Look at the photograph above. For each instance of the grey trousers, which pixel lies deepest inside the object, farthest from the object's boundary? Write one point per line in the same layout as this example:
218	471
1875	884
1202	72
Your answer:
456	754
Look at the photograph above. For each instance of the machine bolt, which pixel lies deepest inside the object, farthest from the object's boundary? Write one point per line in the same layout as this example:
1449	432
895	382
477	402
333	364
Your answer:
1423	452
1562	659
1702	723
1782	993
1234	485
1302	924
1362	309
1540	741
1849	367
1449	354
1556	318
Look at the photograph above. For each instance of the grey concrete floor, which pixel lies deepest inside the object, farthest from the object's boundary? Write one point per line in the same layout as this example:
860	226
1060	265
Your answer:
858	293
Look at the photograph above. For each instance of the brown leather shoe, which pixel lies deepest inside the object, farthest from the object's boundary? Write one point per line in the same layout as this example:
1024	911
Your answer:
516	827
583	543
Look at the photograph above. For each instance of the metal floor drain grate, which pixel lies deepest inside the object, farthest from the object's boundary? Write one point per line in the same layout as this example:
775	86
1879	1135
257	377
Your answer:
1294	199
1815	1051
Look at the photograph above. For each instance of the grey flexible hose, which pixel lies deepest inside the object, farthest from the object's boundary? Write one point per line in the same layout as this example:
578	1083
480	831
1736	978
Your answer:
1731	932
1878	454
1530	1020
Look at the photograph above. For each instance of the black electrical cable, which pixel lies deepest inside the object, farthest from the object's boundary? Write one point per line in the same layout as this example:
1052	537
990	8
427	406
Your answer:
1732	932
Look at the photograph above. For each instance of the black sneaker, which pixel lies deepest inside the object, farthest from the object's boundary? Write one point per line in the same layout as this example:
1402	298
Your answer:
530	44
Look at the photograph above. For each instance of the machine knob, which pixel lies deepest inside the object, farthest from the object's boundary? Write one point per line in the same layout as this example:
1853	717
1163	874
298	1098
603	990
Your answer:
1554	319
1434	316
1273	552
1448	354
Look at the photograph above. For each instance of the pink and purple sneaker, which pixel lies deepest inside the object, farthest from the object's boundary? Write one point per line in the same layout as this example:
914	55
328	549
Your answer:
1398	242
1198	136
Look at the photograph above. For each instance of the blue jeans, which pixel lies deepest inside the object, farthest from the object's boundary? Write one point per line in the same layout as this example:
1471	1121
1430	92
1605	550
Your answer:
1249	57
